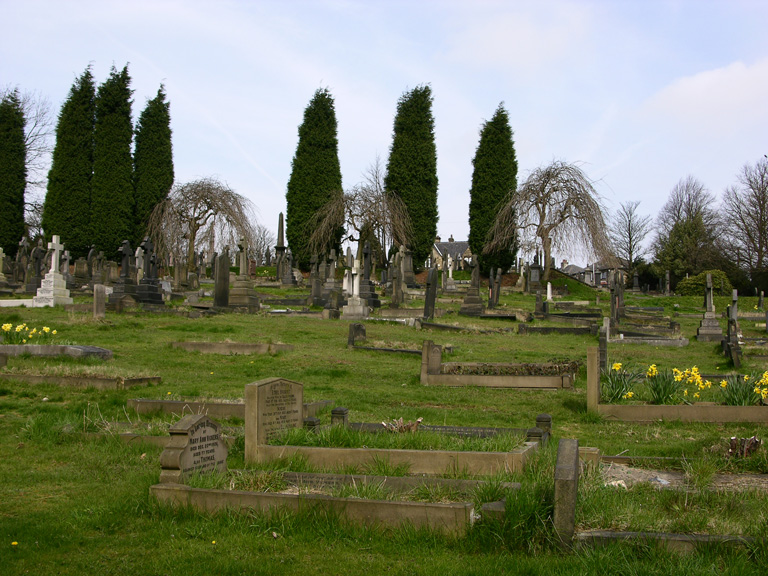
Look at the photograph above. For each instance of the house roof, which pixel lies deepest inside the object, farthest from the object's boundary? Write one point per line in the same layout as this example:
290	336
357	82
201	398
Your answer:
455	248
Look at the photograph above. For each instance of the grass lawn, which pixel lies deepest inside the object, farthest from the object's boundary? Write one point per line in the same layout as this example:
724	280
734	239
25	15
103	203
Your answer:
74	503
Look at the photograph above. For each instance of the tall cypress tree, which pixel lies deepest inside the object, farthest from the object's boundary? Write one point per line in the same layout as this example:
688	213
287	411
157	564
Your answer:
112	201
493	180
412	168
13	173
67	207
152	160
315	173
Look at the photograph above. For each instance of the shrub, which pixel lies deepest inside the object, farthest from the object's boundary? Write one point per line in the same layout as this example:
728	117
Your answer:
695	285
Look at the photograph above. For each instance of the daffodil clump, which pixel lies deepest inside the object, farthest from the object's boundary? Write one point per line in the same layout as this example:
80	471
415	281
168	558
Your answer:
663	385
23	334
747	390
617	383
691	377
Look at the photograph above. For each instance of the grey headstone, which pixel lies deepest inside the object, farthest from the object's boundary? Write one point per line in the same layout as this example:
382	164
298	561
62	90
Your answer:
196	447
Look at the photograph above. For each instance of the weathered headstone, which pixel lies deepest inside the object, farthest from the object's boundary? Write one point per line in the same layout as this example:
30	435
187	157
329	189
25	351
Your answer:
99	301
271	407
2	263
431	294
709	330
196	447
367	291
566	490
473	304
356	333
221	287
497	287
148	290
549	291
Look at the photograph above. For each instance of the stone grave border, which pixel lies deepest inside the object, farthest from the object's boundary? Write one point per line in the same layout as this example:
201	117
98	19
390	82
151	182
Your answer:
700	412
433	374
453	518
50	350
214	409
232	348
85	382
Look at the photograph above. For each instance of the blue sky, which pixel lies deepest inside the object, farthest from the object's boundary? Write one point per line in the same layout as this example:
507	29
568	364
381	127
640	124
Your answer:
643	93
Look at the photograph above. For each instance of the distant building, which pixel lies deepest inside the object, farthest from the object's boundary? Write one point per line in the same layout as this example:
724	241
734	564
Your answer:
458	250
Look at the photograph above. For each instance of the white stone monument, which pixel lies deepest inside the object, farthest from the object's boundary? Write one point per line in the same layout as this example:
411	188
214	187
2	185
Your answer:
53	290
549	291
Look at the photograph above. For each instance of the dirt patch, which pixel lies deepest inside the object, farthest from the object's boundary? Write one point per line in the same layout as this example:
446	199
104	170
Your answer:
623	476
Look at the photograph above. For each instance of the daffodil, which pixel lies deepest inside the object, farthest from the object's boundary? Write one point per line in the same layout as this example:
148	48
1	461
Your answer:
616	366
723	384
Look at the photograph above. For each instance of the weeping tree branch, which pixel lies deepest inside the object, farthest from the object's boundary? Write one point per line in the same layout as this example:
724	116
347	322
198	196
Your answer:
558	207
201	213
364	207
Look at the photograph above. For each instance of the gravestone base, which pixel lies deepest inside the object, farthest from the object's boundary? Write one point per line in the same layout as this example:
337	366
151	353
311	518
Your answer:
243	296
473	304
709	330
52	292
355	308
368	293
450	285
148	291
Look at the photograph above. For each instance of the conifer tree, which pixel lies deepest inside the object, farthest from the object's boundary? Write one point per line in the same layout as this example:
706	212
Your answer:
67	206
494	180
152	160
112	200
315	174
13	173
412	168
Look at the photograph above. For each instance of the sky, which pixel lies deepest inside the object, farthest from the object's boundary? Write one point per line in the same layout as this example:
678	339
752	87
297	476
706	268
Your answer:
640	93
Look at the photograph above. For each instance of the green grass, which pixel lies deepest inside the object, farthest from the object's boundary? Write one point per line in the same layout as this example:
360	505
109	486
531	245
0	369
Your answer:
76	503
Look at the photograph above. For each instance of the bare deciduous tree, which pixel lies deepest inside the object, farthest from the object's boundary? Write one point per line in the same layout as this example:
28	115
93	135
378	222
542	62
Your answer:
263	240
200	214
556	206
627	233
687	200
366	206
746	217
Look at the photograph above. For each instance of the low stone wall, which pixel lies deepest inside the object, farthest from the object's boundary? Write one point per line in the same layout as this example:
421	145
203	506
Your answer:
451	518
699	412
419	461
98	383
433	374
232	347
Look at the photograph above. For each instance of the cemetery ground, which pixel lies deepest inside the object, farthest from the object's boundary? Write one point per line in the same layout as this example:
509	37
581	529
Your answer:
74	498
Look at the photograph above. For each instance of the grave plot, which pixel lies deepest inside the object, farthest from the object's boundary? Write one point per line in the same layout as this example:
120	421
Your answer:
435	372
358	340
228	348
681	403
273	408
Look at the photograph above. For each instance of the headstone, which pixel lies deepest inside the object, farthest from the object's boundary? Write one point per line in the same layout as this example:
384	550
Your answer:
148	290
409	279
280	250
444	276
636	281
367	291
760	301
2	262
99	301
497	287
473	304
356	333
221	287
539	305
667	288
53	289
549	291
35	268
288	279
709	329
566	490
196	447
490	289
21	262
271	407
431	294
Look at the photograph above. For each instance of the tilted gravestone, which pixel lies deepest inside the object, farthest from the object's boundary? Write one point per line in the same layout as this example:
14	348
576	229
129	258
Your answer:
271	406
196	447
